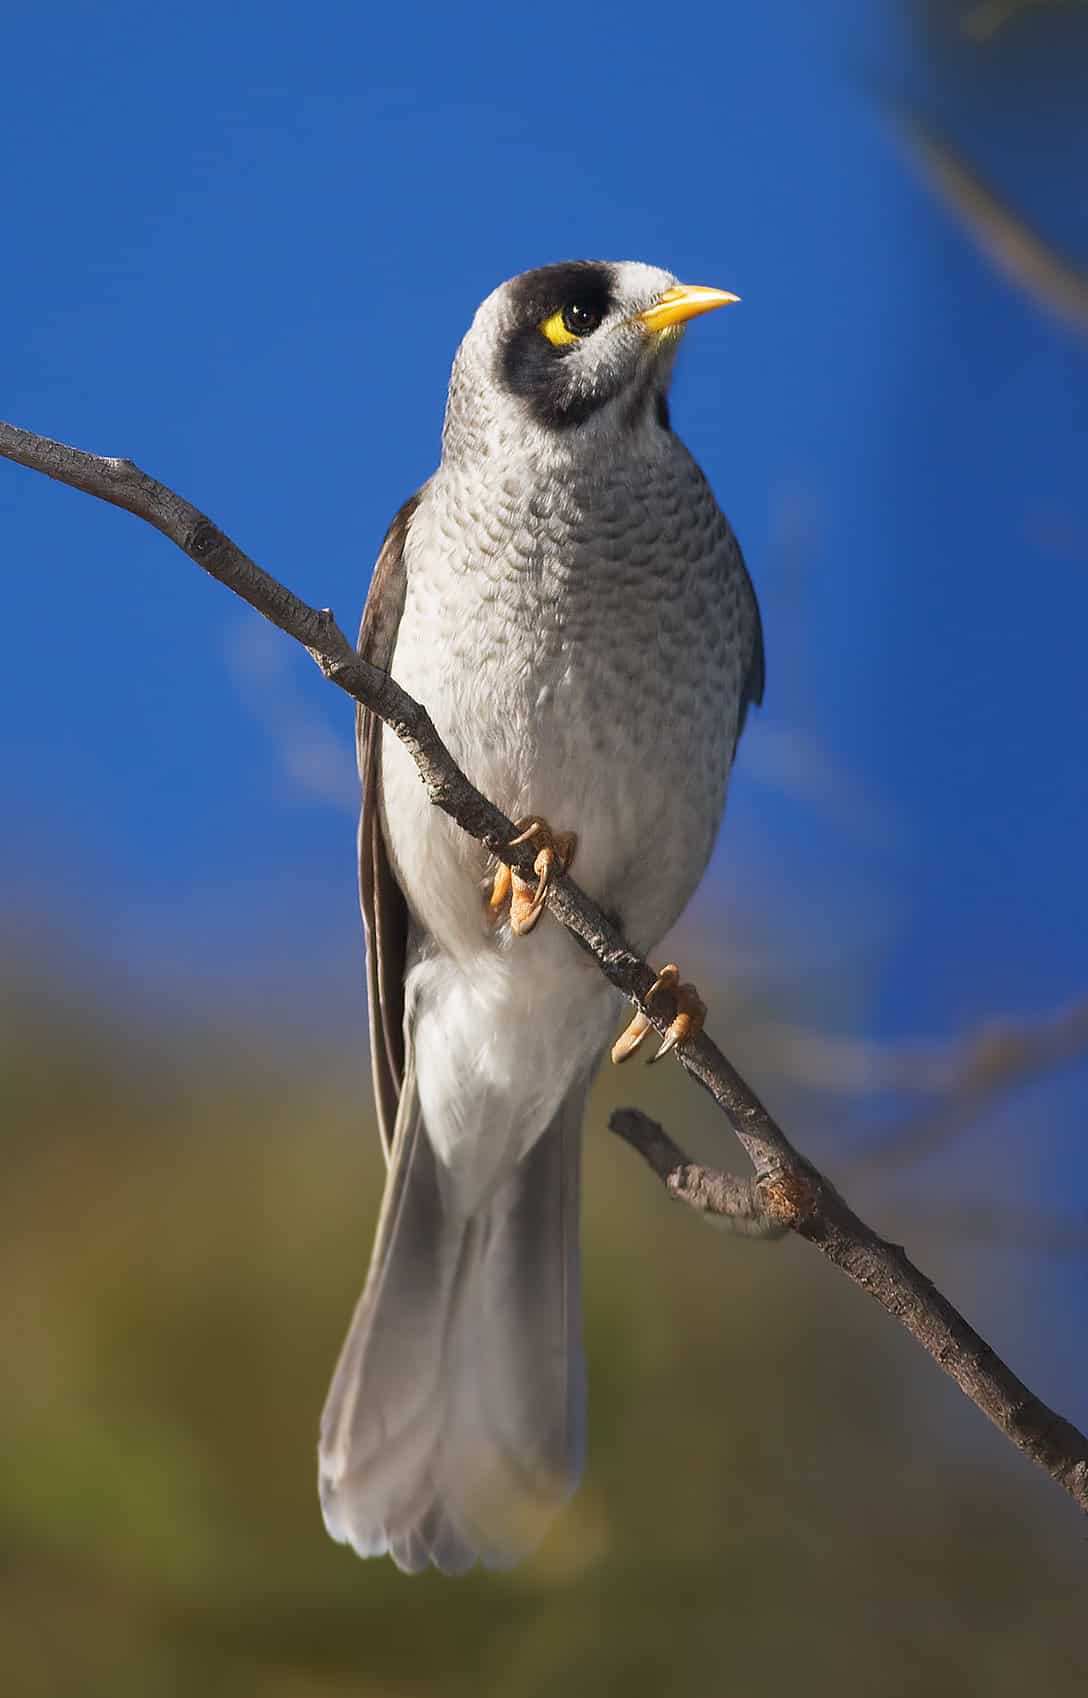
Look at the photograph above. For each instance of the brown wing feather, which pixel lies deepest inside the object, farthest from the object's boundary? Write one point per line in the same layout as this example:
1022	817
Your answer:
385	912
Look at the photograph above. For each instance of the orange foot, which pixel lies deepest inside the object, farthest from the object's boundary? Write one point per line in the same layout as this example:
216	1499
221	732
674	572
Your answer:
554	849
686	1023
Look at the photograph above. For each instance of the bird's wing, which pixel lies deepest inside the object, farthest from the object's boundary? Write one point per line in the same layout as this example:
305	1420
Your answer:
385	912
756	676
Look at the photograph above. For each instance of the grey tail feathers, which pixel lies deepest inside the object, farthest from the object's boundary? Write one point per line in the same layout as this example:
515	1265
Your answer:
453	1427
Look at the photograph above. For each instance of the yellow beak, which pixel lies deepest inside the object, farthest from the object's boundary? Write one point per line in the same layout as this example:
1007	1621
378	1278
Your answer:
683	301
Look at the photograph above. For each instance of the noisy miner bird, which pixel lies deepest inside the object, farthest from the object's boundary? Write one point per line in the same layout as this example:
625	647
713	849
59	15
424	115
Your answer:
568	601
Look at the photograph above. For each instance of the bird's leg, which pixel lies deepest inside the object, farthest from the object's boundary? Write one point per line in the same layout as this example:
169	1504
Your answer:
686	1023
554	849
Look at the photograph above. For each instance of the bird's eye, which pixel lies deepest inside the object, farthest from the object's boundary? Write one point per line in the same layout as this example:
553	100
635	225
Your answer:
572	322
580	318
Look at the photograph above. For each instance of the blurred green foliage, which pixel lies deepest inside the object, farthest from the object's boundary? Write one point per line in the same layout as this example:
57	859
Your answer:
776	1497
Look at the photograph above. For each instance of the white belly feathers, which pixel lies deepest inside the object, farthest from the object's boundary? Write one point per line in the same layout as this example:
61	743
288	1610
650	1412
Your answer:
538	699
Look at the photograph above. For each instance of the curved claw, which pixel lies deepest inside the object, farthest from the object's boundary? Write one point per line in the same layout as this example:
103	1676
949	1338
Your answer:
526	909
686	1023
531	830
668	1042
500	887
630	1038
632	1035
526	902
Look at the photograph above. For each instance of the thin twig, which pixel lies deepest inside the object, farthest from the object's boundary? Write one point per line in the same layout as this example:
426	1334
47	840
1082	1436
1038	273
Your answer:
725	1199
794	1195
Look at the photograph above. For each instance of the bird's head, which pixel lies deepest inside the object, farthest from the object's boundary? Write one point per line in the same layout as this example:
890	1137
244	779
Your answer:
571	348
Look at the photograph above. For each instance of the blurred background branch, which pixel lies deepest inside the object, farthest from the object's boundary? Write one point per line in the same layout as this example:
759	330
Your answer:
996	1056
993	1225
983	19
1037	267
963	1078
997	1060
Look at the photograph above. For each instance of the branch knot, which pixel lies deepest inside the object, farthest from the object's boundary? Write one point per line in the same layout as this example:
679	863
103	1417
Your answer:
792	1196
203	540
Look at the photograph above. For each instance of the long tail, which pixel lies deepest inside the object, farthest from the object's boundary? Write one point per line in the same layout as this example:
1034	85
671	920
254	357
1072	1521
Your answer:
453	1428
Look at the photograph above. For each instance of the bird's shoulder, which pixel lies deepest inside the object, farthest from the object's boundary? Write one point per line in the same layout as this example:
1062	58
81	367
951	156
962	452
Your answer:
755	678
730	560
385	597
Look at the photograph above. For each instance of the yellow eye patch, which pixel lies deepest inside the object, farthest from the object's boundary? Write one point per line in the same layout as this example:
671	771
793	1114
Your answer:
556	331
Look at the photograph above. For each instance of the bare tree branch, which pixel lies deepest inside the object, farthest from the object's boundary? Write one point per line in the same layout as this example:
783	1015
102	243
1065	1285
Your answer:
792	1193
725	1199
805	1202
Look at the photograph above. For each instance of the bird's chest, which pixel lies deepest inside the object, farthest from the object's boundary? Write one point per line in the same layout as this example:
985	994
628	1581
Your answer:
548	646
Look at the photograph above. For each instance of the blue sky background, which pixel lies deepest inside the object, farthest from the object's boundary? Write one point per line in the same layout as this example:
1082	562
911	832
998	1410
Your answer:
241	245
